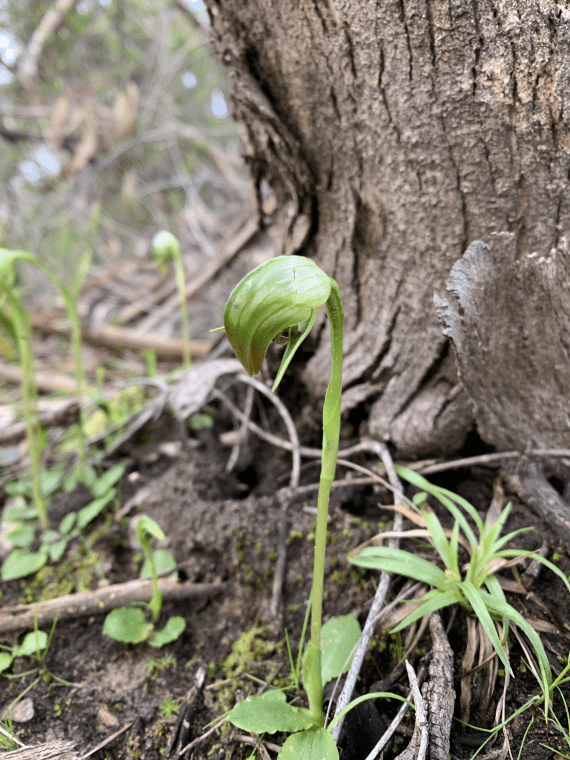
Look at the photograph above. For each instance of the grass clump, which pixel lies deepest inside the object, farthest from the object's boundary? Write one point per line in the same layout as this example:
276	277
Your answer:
473	585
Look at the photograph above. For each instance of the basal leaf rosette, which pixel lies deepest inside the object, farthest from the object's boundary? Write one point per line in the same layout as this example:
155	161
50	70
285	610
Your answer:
281	295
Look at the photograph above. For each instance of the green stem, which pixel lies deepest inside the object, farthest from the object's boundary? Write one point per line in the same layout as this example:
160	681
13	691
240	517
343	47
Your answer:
181	284
331	434
30	394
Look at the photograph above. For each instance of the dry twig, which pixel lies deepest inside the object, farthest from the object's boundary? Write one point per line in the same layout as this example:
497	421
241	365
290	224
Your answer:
26	616
112	336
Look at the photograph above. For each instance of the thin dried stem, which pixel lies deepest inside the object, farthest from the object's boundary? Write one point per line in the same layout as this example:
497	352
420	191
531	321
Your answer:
289	424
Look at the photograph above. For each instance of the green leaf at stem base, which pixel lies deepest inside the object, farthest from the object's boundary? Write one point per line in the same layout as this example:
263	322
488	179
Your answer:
314	744
269	713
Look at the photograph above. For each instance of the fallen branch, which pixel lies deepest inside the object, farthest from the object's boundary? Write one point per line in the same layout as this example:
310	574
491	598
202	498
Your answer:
24	616
63	413
47	381
112	336
51	751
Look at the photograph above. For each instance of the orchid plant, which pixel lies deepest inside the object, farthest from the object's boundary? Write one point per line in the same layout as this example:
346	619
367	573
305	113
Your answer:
278	301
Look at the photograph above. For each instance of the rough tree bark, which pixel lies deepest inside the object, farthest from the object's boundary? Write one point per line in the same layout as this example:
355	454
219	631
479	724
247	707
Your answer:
394	133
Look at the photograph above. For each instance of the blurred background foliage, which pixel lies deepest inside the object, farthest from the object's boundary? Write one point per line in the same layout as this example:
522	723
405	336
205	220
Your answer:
113	124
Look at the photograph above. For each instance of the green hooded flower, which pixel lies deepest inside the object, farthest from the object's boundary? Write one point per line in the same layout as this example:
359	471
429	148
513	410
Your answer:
280	296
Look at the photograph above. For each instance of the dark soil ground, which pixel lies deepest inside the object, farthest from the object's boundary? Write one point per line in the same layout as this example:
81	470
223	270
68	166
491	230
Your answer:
225	528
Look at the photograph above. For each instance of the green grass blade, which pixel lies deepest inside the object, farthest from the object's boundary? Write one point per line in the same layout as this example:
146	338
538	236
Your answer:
437	601
444	497
400	562
500	542
439	539
480	608
454	549
505	609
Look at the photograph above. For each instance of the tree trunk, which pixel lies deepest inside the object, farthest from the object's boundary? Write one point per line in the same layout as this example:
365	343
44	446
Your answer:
393	135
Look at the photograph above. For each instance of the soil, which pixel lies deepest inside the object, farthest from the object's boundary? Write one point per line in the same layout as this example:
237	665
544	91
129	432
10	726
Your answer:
224	527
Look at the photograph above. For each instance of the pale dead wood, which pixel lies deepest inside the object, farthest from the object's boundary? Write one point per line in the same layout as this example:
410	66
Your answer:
46	381
63	413
438	691
418	746
50	23
50	751
183	727
505	313
112	336
102	600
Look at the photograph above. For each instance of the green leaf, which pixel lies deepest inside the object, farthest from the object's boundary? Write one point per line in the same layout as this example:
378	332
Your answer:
51	480
269	713
447	498
505	609
171	631
311	676
400	562
145	525
338	637
68	522
92	510
22	536
314	744
33	643
163	561
6	660
106	481
437	535
21	563
479	604
200	421
127	624
57	550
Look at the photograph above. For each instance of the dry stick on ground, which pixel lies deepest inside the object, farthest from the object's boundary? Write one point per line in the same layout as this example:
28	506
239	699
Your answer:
50	751
201	738
26	616
63	412
417	748
183	727
145	302
47	381
107	741
438	692
378	600
112	336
